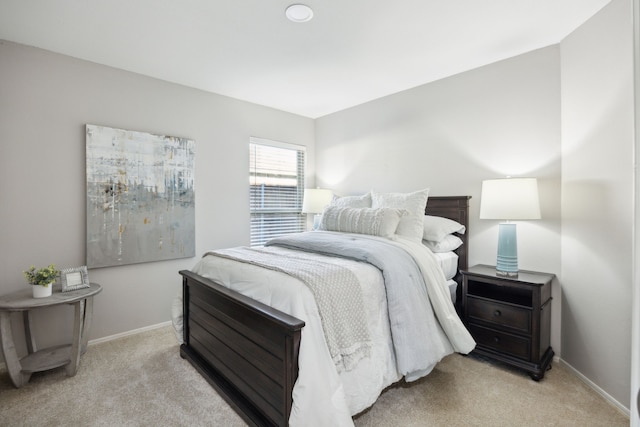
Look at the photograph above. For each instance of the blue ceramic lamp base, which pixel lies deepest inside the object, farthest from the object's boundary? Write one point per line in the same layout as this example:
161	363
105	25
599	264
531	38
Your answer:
507	263
317	218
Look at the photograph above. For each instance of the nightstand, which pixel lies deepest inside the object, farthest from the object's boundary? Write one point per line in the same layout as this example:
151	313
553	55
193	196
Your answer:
509	317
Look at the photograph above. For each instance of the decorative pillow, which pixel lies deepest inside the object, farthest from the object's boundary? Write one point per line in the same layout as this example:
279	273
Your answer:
376	222
448	244
363	201
436	228
411	225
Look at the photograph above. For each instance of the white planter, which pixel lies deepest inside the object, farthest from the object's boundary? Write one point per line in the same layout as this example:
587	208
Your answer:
42	291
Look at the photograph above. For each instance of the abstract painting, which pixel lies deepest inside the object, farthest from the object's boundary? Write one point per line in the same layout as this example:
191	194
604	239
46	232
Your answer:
140	197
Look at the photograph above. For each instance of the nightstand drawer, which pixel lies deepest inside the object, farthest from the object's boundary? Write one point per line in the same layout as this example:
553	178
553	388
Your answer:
499	314
502	342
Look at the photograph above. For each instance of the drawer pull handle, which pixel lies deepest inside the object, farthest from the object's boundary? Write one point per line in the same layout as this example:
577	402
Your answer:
497	313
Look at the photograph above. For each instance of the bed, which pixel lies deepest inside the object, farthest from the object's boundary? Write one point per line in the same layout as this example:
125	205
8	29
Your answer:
249	351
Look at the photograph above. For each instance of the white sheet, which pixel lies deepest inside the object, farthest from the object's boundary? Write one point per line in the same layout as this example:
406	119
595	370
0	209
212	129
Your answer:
448	261
453	290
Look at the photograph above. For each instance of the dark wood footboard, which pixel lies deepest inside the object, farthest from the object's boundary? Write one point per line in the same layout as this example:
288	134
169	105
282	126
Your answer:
247	350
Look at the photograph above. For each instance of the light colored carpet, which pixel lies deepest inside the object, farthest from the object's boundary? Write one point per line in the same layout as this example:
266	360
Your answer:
142	381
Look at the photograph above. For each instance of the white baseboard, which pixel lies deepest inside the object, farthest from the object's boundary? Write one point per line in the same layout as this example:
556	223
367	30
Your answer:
597	389
129	333
3	365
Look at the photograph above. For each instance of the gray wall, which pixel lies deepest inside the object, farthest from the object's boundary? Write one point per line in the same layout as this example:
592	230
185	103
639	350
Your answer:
501	119
597	198
45	100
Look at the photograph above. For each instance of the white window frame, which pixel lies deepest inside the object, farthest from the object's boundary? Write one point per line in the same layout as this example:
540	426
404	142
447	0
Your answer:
280	212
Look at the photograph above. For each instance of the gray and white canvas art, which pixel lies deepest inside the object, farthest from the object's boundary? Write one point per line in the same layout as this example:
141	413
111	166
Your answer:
140	197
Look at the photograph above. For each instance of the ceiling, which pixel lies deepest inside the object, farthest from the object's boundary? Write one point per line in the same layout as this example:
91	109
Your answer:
351	52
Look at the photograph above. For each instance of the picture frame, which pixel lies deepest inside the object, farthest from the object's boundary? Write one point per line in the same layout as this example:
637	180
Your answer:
149	179
74	278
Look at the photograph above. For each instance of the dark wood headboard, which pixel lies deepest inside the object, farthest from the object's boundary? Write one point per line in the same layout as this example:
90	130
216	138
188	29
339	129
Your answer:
457	209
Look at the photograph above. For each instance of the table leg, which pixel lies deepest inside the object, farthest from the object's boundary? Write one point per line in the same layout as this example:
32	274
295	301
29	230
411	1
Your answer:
14	368
78	324
88	317
28	336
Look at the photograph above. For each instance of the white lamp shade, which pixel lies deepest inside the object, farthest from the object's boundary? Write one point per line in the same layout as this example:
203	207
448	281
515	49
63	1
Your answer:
510	199
315	200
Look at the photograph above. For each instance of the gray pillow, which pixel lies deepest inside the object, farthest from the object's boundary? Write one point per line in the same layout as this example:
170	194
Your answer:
381	222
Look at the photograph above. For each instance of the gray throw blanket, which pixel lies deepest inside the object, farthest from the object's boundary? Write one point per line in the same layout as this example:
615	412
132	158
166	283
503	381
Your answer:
336	291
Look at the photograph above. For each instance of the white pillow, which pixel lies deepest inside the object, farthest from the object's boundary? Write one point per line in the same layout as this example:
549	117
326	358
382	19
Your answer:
411	225
376	222
448	244
363	201
437	228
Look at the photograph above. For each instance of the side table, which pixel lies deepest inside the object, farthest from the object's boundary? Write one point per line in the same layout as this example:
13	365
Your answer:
510	317
20	369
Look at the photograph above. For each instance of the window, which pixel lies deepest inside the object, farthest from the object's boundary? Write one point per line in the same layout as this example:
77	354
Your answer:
276	174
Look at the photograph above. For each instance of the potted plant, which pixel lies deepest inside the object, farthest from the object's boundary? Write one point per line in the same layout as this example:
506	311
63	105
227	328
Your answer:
42	279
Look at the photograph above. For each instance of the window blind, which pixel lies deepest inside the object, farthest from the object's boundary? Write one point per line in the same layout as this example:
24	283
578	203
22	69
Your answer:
276	175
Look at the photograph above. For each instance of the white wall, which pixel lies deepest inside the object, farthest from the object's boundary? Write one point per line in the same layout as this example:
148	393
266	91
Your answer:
505	119
597	198
501	119
45	101
635	306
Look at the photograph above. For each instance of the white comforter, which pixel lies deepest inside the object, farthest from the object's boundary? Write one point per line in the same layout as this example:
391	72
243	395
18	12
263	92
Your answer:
320	393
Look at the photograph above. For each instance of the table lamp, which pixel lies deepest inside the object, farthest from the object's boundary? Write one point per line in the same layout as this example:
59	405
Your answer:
314	202
509	199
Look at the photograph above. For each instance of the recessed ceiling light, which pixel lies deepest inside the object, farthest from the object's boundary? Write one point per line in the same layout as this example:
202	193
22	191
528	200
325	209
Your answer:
299	13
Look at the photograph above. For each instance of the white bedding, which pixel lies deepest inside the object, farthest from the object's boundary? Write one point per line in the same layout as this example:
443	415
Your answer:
448	261
453	290
320	393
